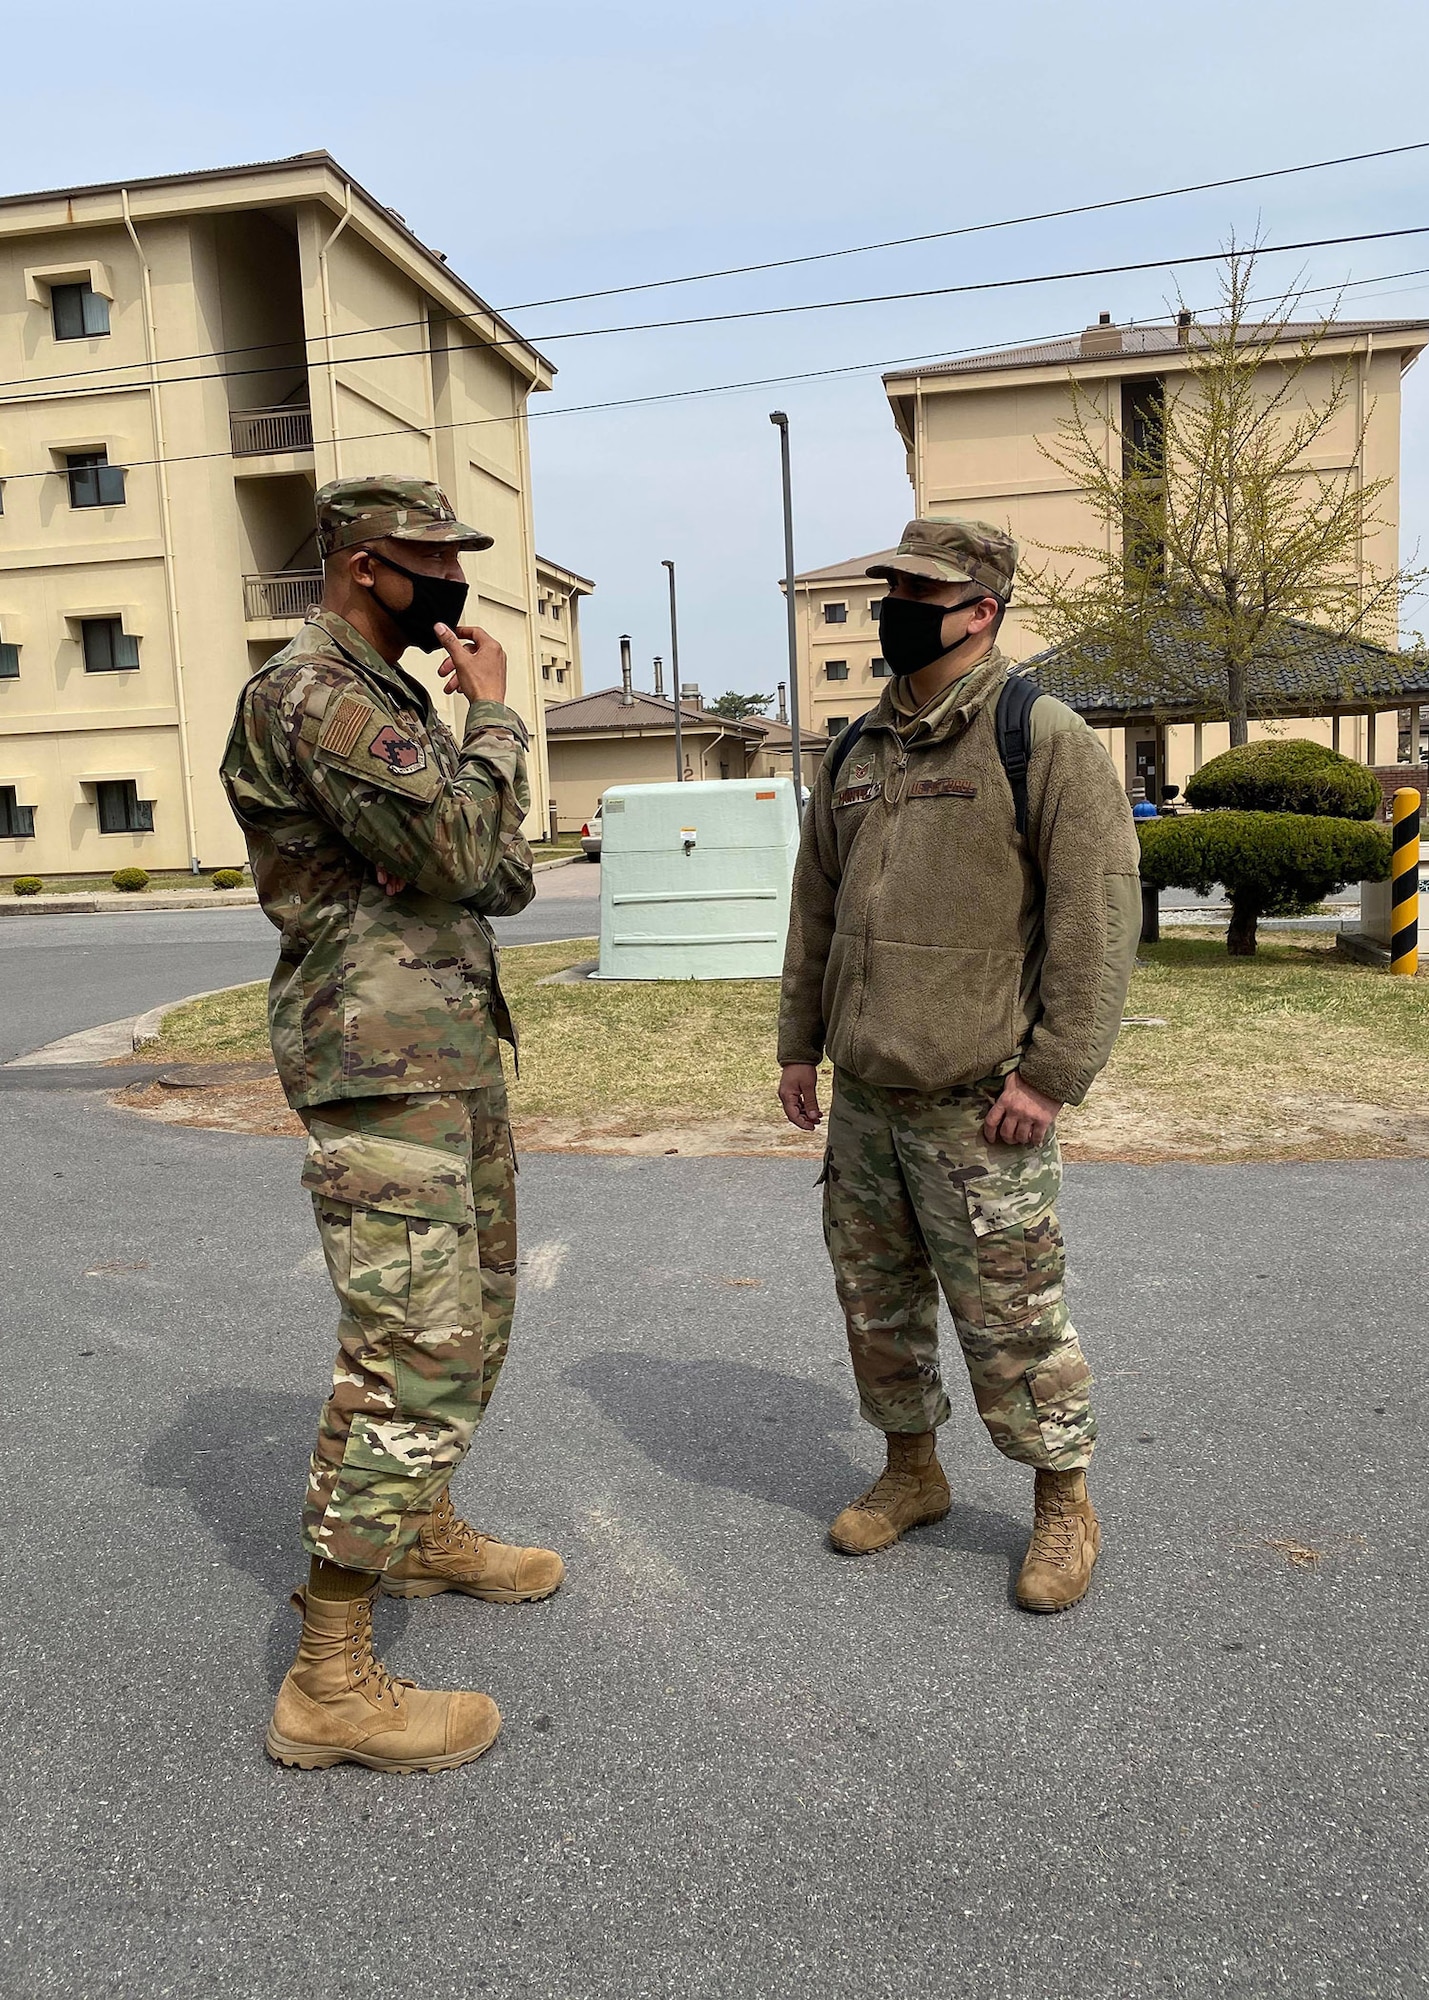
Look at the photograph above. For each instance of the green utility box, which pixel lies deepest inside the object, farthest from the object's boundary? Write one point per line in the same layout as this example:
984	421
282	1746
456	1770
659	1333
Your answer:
695	879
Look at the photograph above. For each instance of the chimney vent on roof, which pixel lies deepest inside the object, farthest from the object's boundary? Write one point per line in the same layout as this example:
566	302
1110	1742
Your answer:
627	698
659	677
1103	338
689	692
784	704
1183	327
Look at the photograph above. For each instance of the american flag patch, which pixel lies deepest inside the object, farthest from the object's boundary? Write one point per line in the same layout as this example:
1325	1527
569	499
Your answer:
342	728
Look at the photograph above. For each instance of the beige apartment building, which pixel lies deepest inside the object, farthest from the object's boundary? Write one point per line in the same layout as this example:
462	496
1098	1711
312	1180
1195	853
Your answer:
558	634
182	361
974	432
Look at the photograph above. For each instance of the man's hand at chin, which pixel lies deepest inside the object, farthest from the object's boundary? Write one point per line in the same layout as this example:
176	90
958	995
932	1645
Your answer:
1021	1116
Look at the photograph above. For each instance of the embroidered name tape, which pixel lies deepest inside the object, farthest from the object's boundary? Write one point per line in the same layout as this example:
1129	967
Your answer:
942	788
856	795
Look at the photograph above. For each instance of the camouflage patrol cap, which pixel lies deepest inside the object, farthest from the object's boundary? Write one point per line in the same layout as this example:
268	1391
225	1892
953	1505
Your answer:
955	552
385	508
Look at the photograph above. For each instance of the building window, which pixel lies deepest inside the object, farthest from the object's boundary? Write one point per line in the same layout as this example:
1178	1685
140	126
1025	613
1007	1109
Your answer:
108	648
541	606
9	661
555	611
836	724
560	673
880	669
836	670
836	614
873	604
17	822
79	312
120	808
545	671
93	481
1143	425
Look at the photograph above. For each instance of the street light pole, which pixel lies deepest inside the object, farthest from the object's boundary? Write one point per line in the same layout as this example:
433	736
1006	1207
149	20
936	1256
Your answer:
781	422
675	676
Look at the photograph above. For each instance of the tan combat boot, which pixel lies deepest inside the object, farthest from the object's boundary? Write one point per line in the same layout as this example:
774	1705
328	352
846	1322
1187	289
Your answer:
910	1491
339	1705
450	1555
1066	1536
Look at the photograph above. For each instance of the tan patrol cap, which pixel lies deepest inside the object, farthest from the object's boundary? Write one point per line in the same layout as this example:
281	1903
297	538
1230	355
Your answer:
955	552
386	508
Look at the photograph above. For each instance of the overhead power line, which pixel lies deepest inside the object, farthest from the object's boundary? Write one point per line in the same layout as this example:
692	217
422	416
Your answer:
772	312
968	229
713	388
734	270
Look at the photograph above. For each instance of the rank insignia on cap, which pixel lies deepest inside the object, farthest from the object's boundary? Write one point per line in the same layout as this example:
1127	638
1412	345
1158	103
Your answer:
399	753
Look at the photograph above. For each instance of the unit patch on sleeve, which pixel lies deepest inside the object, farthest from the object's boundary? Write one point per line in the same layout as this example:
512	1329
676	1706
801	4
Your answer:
398	752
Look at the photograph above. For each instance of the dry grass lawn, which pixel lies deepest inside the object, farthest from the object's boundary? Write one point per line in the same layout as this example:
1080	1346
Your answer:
1294	1054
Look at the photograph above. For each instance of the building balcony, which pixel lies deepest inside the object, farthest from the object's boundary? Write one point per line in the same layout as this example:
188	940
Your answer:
282	596
261	433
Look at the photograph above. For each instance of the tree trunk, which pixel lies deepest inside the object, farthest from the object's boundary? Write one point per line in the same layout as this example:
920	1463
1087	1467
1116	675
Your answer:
1241	936
1238	702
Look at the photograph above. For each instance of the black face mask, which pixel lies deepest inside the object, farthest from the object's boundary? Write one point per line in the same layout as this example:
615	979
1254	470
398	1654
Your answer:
436	600
910	632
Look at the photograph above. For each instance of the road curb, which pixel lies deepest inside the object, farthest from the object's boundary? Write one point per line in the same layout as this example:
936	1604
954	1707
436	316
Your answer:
104	903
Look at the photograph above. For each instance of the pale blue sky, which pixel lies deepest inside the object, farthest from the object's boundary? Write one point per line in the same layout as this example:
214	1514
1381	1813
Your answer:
553	148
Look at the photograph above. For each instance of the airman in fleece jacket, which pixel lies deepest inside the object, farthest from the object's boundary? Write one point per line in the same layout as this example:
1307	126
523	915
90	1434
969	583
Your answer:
933	951
930	945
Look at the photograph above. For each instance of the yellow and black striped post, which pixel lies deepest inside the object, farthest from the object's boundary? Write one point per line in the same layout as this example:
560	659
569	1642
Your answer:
1404	884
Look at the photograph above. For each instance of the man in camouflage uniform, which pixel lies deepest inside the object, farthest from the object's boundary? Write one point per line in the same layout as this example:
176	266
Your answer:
966	979
379	849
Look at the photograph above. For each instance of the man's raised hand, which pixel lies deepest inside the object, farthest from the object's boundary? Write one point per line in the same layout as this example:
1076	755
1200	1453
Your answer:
475	665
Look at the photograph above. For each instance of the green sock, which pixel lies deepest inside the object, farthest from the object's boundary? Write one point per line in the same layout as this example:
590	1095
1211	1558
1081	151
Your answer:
327	1579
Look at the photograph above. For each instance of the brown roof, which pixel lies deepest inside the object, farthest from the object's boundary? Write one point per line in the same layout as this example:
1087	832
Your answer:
583	583
851	571
1154	340
605	709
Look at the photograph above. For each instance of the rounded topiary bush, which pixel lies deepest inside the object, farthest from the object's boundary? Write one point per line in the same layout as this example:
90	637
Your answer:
227	878
27	885
1270	864
130	879
1290	777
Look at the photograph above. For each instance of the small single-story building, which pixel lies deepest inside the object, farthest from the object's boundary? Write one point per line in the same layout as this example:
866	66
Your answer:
618	736
1163	724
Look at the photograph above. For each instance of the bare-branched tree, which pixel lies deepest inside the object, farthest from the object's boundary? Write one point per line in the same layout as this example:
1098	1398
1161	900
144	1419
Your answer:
1219	525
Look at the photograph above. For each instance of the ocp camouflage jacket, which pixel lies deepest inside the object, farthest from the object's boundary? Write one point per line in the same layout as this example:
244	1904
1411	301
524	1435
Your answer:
336	764
930	944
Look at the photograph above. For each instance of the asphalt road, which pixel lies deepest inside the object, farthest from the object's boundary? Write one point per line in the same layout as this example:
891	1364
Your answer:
61	974
734	1764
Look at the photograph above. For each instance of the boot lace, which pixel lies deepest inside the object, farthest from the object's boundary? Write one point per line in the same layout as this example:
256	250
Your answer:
446	1530
1054	1536
891	1486
365	1670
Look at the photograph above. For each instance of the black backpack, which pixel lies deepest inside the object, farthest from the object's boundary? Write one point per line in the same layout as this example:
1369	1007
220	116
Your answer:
1015	703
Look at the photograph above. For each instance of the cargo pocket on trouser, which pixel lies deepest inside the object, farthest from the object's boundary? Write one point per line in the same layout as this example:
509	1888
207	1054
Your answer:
1029	1376
396	1224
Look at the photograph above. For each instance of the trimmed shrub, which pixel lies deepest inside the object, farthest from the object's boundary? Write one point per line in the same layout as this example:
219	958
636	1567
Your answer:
1291	777
227	878
1269	864
130	879
27	885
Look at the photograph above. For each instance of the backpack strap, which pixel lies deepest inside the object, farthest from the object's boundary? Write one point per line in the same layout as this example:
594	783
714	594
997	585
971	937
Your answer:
1015	702
844	746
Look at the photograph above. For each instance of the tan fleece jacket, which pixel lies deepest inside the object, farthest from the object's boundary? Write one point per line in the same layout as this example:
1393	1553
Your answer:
929	943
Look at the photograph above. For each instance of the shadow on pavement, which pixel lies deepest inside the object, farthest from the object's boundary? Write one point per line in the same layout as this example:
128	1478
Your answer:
241	1460
773	1437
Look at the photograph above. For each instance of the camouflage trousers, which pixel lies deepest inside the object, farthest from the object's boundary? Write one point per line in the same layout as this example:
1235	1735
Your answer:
915	1198
415	1200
